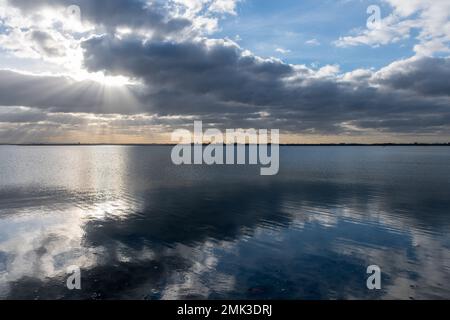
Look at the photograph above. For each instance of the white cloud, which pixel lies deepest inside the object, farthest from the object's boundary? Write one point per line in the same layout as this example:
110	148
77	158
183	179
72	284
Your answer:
282	51
313	42
328	71
205	14
224	6
44	31
430	17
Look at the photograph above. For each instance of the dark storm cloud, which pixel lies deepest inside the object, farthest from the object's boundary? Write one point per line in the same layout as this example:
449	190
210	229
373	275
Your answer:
216	81
219	83
428	76
117	13
194	67
61	94
422	124
21	115
213	77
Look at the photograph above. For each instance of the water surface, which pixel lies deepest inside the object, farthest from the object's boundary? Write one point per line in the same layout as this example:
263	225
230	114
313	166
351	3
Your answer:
142	228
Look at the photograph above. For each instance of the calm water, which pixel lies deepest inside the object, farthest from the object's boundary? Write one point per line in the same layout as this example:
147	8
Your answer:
141	228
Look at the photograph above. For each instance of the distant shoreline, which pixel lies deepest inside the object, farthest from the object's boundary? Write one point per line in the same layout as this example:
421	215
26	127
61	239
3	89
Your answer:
281	145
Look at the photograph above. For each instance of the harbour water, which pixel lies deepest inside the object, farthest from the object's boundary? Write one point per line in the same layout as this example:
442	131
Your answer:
139	227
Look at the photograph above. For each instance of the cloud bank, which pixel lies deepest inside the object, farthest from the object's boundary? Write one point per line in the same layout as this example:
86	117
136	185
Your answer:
176	72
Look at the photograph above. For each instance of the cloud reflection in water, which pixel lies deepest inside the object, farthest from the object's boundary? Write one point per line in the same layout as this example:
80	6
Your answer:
141	228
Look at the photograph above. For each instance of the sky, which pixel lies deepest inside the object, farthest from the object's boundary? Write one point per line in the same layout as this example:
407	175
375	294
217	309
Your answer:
134	71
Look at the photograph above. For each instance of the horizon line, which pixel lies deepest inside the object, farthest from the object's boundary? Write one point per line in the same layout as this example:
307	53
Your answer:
225	144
